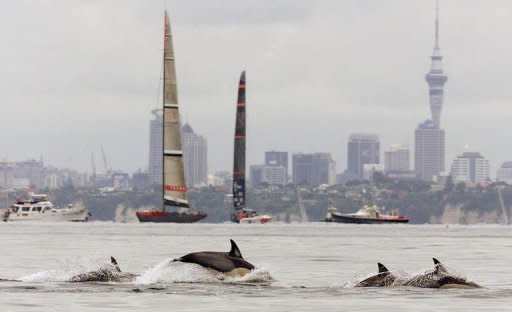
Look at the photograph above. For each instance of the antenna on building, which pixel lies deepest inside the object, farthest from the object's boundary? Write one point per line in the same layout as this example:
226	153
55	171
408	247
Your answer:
437	24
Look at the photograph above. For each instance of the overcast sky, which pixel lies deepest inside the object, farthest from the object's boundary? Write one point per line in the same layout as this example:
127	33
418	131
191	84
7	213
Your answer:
75	75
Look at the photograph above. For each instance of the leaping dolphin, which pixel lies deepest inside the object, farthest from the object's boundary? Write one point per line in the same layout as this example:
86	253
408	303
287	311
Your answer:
229	263
108	273
439	277
384	278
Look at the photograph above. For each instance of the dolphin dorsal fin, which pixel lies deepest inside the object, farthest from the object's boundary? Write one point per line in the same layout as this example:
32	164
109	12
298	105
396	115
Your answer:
234	252
382	268
439	267
113	261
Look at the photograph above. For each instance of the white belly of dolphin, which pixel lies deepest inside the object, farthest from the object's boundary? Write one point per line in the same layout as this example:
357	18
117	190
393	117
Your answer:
237	272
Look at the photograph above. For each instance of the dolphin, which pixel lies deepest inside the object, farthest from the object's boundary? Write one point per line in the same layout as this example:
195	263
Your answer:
439	277
384	278
108	273
228	263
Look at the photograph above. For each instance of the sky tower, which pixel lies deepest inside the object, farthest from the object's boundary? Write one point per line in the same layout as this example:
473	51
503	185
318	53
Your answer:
436	78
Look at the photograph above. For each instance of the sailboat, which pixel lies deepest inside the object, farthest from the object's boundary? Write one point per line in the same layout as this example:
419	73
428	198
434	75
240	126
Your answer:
174	189
242	214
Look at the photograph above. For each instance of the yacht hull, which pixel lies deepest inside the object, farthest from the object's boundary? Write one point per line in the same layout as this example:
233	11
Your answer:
158	216
365	220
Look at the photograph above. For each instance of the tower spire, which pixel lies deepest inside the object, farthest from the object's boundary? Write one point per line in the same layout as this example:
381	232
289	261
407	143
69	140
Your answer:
437	25
436	78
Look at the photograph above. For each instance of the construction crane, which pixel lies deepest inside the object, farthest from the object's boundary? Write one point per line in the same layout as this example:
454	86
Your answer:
93	167
104	156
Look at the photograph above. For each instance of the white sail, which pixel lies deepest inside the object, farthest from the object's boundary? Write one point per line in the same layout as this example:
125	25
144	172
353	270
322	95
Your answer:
174	187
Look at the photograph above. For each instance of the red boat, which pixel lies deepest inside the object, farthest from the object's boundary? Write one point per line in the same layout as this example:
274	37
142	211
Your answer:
175	208
158	216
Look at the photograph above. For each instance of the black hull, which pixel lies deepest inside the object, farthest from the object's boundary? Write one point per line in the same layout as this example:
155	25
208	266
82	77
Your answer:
170	217
362	220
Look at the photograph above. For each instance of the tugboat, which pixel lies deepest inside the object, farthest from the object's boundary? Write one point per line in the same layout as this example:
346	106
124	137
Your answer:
369	214
242	214
173	175
39	208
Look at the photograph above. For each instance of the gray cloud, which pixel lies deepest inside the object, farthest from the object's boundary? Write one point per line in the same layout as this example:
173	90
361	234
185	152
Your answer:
78	74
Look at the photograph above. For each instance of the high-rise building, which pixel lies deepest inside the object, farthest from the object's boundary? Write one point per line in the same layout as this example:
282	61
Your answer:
429	151
313	169
301	168
362	149
397	159
273	175
155	148
429	141
369	170
470	167
279	159
504	173
194	156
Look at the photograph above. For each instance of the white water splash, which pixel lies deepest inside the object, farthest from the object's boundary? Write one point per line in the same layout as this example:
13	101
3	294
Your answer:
125	214
68	269
176	272
48	276
179	272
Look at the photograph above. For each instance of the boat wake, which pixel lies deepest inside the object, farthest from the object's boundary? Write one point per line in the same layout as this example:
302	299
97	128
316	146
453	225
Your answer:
178	272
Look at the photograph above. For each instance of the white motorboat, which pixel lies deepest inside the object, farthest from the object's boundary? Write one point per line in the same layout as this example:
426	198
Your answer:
39	208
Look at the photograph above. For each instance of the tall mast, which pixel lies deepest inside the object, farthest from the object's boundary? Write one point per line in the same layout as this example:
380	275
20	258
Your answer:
174	189
239	148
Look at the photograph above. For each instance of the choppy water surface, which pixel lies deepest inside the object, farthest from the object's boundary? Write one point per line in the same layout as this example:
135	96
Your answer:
301	267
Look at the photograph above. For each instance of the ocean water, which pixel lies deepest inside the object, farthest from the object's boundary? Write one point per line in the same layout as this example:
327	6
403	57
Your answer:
300	267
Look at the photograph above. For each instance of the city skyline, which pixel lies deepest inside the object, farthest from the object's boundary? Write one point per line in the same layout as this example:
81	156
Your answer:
116	93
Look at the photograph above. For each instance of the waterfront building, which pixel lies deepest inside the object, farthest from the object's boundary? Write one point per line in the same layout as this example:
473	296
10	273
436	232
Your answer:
278	159
370	169
397	159
313	169
470	167
429	151
362	149
195	155
272	175
504	173
155	148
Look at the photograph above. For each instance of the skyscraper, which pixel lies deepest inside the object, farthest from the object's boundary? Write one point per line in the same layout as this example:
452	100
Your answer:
362	149
273	158
272	175
397	159
429	137
429	151
504	173
470	167
313	169
194	156
155	148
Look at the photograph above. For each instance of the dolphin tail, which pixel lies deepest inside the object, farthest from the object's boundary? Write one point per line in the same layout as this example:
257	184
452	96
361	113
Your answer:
382	268
235	251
